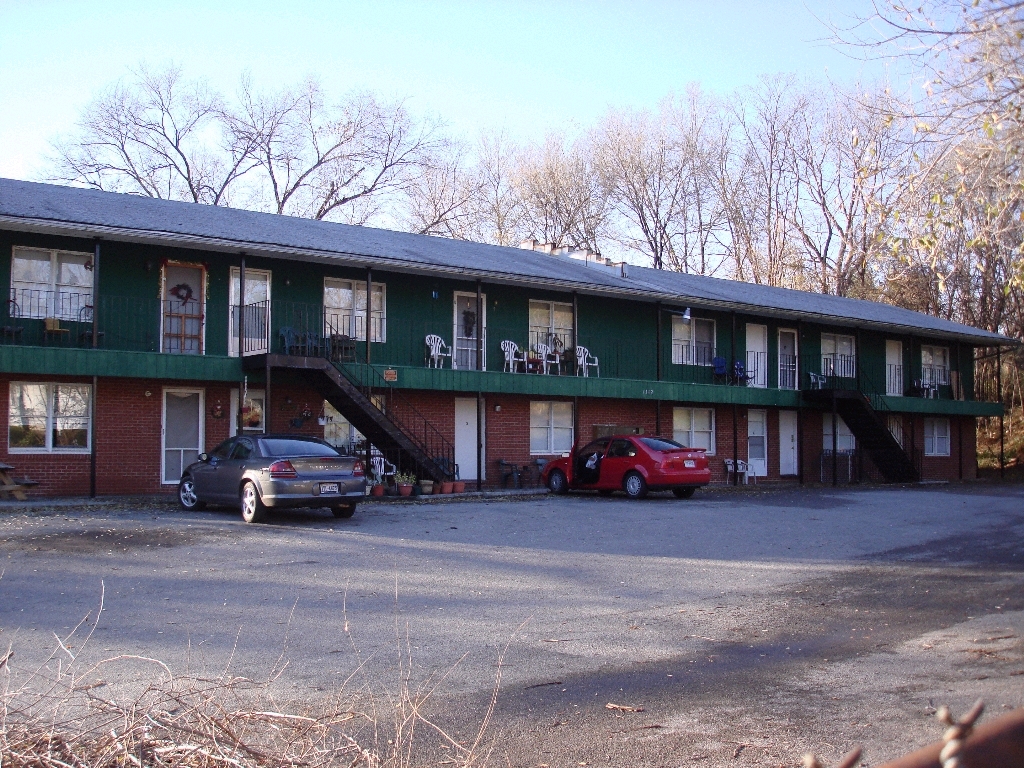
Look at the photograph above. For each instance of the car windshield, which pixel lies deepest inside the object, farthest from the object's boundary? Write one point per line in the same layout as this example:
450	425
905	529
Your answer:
597	446
284	446
661	444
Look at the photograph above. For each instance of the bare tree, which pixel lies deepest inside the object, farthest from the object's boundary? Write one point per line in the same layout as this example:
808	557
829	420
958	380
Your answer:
563	197
321	160
157	135
440	196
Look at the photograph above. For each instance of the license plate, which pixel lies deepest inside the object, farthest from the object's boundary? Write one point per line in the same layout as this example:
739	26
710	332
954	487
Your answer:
328	488
689	463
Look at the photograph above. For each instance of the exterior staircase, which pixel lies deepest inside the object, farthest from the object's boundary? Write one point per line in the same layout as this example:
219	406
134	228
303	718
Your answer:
861	412
393	425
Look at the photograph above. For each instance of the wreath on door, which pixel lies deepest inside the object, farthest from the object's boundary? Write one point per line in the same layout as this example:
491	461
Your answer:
183	292
468	323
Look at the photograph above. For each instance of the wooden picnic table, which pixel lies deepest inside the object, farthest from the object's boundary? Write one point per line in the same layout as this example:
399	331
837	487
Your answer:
10	487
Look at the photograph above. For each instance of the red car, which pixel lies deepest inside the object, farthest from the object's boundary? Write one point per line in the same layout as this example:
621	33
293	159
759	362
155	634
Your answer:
630	463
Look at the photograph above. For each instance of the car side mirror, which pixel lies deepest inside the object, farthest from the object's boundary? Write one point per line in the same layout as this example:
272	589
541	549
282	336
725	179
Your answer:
204	457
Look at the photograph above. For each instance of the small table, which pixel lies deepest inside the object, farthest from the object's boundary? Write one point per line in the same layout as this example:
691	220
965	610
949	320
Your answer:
10	487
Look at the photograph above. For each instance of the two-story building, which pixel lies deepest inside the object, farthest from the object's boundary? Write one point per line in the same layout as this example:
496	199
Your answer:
138	333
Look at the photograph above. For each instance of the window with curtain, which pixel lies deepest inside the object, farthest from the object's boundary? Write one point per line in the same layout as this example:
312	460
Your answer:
49	418
694	428
551	429
693	342
551	324
345	309
839	355
936	437
935	365
46	283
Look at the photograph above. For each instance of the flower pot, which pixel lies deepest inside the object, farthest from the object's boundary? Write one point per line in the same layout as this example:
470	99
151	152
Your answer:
459	486
404	490
447	487
427	486
377	490
438	488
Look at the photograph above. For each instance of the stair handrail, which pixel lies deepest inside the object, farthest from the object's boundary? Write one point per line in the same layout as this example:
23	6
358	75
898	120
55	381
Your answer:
434	444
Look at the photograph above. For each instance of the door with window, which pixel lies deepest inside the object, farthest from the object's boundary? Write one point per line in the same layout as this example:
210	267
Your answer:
620	459
469	331
757	442
257	312
894	367
757	355
788	375
182	433
182	309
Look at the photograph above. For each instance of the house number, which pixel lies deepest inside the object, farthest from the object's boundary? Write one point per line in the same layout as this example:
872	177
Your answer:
648	391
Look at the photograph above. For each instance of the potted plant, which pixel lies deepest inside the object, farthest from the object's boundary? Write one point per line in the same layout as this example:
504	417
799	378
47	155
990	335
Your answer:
447	486
427	487
377	489
405	482
459	486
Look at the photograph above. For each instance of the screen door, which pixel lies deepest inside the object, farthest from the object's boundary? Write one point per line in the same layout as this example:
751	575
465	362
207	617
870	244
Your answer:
182	431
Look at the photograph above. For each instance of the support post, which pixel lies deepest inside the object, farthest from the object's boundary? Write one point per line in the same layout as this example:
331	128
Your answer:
479	393
835	441
241	341
369	305
92	442
95	296
657	337
735	445
575	332
800	445
266	395
1002	417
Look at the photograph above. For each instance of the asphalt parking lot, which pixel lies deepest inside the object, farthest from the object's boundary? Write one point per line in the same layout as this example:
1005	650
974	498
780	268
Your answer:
730	629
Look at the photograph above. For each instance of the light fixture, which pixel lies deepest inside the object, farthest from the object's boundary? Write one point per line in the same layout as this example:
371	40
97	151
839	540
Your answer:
497	409
686	315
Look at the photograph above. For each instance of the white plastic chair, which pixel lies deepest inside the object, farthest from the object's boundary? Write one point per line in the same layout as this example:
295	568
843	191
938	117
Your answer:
548	358
438	351
381	468
585	361
740	467
513	356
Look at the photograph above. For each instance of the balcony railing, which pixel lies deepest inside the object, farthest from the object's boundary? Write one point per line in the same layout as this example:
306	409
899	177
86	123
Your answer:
788	371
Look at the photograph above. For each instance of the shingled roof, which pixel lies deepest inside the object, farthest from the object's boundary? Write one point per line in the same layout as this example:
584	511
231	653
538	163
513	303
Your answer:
48	208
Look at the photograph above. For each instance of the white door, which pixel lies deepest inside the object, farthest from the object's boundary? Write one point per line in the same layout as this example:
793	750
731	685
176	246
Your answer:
467	330
893	367
182	432
465	438
757	355
787	443
257	312
757	442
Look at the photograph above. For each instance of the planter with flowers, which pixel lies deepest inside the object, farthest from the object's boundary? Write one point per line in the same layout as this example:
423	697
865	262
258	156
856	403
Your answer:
405	481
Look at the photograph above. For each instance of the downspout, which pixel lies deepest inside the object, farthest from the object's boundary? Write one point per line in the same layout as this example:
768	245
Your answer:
799	408
369	304
95	379
479	392
657	403
835	441
575	343
860	388
960	419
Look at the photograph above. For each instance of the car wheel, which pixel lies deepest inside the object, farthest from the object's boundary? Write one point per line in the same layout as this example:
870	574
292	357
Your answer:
634	485
253	509
557	482
683	493
187	496
604	492
344	512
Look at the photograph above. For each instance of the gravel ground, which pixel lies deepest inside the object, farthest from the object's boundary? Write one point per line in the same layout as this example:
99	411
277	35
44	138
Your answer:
733	629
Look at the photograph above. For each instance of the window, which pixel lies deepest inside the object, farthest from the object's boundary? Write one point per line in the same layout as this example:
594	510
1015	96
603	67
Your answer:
550	427
550	324
49	418
253	411
51	284
621	449
845	440
935	365
838	355
693	342
895	424
345	309
936	437
694	428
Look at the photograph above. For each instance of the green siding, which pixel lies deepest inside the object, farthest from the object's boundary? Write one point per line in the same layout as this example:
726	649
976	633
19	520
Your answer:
106	362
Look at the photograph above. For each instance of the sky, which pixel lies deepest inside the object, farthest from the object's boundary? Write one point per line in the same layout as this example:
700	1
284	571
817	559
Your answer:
527	68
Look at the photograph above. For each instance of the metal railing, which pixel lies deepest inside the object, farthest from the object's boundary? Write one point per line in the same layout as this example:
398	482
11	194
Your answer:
693	354
757	369
895	384
30	303
788	371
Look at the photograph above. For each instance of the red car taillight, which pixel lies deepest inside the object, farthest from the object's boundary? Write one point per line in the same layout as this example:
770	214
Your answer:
357	469
283	470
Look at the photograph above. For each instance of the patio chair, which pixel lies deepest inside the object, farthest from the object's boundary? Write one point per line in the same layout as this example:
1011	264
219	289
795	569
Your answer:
739	467
740	375
289	340
548	358
720	369
437	351
382	468
818	380
514	357
585	361
510	471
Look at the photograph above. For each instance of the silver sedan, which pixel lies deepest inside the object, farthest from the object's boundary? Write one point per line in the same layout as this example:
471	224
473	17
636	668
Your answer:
259	472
